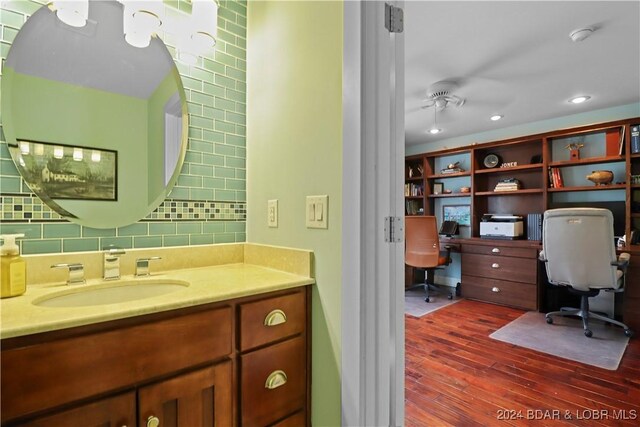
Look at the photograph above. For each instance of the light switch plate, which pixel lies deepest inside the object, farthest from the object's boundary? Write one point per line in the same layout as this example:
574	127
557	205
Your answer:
317	209
272	213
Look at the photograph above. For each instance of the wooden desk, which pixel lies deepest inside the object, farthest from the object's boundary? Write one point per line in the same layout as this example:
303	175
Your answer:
507	272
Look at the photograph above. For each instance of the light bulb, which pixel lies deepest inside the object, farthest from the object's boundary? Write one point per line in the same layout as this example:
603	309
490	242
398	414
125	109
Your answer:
95	156
496	117
435	131
579	99
72	12
77	154
24	148
58	152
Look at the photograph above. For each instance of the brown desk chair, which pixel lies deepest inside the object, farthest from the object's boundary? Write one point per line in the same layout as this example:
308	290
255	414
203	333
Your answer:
422	249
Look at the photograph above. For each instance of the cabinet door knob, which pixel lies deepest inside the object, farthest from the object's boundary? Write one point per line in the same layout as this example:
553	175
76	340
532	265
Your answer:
495	250
275	379
153	421
275	317
495	265
495	289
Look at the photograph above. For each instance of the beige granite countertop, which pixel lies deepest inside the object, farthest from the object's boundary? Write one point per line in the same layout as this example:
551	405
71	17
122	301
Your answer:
255	269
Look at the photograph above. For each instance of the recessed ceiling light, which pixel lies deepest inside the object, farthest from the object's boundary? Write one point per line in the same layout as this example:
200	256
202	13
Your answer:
496	117
580	34
434	131
579	99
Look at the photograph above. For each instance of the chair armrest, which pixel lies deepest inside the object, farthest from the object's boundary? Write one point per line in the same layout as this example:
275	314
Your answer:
623	261
448	253
541	257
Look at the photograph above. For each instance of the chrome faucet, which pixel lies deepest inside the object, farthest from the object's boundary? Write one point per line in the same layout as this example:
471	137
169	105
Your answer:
76	273
142	266
111	264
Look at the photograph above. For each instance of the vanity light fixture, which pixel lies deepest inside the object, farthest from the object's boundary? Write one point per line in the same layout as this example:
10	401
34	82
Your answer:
200	31
24	148
95	156
72	12
496	117
58	152
141	21
204	15
579	99
77	154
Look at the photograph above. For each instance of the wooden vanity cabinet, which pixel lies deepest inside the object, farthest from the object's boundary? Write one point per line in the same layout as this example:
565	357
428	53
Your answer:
242	362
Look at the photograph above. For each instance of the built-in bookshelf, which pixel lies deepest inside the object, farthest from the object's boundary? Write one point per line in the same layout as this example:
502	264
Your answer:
538	172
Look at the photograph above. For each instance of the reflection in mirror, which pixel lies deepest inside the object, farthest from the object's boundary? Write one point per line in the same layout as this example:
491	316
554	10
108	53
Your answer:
97	128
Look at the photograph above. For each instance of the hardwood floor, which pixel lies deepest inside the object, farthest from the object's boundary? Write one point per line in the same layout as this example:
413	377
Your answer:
456	375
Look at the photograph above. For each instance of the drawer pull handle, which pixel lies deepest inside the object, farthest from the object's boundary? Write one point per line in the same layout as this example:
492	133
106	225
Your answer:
153	421
495	265
495	250
275	379
275	317
495	289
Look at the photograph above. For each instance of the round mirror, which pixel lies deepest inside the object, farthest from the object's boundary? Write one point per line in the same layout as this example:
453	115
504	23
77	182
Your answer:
96	127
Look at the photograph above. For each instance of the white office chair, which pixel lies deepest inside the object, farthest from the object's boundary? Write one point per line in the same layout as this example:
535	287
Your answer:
579	252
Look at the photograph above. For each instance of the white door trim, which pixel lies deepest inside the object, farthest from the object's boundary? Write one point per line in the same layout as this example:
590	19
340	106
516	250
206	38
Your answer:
373	164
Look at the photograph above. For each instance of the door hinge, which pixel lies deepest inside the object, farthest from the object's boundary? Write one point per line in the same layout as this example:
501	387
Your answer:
393	230
393	18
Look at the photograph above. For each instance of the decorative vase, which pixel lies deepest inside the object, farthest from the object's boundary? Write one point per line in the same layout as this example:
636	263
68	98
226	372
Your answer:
600	177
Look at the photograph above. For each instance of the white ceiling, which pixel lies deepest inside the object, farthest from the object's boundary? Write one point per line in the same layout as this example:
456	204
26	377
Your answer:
95	56
516	59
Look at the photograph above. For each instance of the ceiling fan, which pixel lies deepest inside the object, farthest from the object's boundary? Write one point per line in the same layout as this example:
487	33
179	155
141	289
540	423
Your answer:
439	95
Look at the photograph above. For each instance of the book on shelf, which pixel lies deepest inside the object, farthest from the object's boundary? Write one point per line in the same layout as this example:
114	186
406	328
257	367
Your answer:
509	184
635	139
555	178
451	170
621	144
613	140
413	190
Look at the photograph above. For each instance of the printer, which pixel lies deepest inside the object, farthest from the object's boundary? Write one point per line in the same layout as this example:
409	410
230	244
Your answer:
501	226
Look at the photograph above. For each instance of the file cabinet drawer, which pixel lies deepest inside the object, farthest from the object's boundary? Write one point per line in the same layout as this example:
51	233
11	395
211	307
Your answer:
514	294
273	382
500	267
499	250
271	319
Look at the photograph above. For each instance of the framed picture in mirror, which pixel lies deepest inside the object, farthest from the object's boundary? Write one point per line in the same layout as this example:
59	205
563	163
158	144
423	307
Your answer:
68	172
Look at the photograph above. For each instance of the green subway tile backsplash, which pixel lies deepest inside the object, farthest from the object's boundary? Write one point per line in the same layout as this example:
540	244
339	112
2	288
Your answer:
207	205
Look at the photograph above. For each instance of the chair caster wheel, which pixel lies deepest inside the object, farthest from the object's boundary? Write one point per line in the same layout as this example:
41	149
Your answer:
426	299
549	320
628	333
588	333
450	296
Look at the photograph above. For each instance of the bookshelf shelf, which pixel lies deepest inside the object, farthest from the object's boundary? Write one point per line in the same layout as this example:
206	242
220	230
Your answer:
510	193
511	169
436	196
635	214
415	178
413	197
587	161
588	188
448	175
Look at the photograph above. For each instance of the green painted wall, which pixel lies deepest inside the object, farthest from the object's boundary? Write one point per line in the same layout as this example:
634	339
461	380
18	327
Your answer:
208	203
294	137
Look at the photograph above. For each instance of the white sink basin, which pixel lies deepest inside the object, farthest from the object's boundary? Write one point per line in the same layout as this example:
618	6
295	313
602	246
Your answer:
110	293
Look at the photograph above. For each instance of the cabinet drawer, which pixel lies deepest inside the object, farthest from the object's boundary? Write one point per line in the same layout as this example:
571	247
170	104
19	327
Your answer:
500	267
132	354
295	420
521	295
499	250
265	396
271	319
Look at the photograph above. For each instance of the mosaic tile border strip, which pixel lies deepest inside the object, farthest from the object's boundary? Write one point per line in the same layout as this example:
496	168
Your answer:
29	208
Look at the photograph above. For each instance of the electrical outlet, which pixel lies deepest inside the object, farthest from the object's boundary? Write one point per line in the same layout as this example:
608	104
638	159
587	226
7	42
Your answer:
272	213
317	211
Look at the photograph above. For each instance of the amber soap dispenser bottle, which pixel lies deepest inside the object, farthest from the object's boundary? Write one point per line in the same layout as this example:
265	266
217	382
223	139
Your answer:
13	269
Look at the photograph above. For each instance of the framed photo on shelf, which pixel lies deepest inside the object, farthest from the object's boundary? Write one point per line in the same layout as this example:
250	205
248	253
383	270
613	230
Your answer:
458	213
438	188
